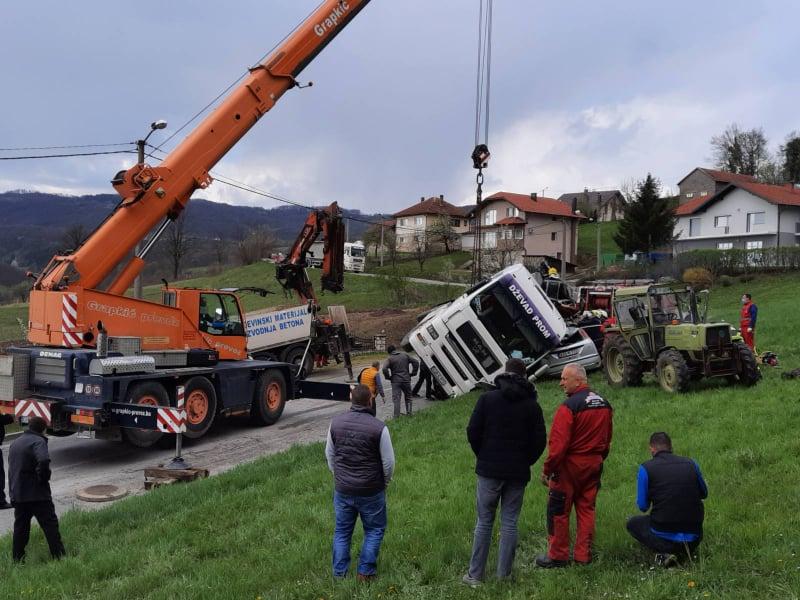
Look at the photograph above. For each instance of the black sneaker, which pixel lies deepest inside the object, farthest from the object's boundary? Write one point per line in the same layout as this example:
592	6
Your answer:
545	562
5	506
666	560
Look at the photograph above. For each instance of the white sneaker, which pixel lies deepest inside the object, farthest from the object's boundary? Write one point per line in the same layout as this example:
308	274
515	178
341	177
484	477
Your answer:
470	581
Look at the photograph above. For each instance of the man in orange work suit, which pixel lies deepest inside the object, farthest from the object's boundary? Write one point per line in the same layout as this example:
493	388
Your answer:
580	439
747	321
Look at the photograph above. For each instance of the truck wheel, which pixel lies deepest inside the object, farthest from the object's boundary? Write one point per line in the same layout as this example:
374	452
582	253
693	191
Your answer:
201	406
269	399
294	355
623	368
672	371
748	372
149	393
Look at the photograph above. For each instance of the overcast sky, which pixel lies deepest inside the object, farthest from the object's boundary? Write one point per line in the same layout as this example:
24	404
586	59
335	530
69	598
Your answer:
584	93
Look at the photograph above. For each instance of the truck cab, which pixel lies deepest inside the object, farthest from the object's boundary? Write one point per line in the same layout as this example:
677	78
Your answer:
355	256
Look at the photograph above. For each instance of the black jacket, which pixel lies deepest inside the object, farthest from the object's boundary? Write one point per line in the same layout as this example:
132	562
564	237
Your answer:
29	468
4	420
506	430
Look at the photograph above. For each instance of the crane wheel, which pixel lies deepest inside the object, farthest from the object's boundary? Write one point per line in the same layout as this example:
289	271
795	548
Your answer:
269	399
147	393
201	406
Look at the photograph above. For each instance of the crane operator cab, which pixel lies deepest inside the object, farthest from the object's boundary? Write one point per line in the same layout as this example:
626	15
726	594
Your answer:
219	315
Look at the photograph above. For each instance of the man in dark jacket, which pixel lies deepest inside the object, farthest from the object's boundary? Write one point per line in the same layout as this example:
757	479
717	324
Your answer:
580	440
507	435
4	420
399	369
424	378
360	456
675	488
29	488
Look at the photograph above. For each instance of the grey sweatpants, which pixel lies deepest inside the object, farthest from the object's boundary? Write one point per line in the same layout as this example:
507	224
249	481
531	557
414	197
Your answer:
399	388
509	495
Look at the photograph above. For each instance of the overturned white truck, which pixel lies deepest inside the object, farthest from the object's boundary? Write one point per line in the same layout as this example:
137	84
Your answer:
466	342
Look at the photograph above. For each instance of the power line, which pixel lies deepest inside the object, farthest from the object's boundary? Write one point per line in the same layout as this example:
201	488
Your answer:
65	147
67	155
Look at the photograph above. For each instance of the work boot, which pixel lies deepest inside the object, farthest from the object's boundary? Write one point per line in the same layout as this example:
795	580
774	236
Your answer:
360	577
666	560
471	581
545	562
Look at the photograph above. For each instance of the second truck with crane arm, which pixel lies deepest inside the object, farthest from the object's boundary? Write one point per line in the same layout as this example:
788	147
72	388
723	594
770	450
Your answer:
108	363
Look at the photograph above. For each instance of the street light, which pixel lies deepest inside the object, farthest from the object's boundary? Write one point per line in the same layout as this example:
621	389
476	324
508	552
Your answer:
160	124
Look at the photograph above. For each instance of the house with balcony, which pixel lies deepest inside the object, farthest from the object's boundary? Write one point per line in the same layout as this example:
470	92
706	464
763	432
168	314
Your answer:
420	222
526	225
743	214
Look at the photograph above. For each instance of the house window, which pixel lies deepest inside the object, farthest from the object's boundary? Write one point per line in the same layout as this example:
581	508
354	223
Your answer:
403	222
490	217
721	221
490	239
704	193
724	245
756	245
754	258
755	219
558	255
519	232
690	194
512	211
401	240
419	220
455	222
797	227
553	236
507	234
694	226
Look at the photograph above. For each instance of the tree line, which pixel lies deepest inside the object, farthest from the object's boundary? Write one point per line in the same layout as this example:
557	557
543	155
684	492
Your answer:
747	152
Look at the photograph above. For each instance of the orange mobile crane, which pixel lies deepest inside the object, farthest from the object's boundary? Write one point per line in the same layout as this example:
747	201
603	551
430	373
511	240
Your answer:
96	351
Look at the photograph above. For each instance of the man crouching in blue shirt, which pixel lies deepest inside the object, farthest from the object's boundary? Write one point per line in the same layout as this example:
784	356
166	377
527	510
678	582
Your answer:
675	488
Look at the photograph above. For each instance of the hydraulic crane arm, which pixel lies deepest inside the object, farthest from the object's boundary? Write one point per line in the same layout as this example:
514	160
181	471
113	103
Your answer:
152	194
291	272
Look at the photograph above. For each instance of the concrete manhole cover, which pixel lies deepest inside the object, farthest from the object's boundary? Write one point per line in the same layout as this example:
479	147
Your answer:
102	493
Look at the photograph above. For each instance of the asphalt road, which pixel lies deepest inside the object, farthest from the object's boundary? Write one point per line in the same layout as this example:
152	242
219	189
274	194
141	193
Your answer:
79	463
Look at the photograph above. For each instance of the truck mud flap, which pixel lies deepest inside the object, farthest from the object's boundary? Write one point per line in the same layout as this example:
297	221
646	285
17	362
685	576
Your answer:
322	390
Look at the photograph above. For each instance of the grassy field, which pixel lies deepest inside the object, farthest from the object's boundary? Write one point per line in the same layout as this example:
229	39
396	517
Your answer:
264	529
435	267
587	238
361	293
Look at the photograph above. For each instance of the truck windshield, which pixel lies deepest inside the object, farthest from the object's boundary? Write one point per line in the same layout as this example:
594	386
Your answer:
356	251
507	323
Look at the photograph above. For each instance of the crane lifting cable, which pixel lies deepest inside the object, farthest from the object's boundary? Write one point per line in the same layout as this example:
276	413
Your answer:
480	155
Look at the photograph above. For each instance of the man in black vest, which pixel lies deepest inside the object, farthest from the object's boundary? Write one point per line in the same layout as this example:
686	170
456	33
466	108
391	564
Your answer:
29	488
360	456
507	435
675	488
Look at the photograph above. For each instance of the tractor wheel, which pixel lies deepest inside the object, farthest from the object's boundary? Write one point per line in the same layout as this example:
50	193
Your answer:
201	406
748	374
149	393
623	368
672	371
269	399
294	355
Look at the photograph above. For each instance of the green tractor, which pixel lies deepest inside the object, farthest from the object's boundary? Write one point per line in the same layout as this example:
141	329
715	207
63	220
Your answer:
660	328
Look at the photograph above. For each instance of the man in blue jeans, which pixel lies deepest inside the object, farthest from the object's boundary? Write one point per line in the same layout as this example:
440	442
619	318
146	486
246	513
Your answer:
360	456
507	435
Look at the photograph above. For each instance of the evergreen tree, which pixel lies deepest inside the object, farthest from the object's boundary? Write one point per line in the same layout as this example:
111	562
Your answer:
791	158
648	221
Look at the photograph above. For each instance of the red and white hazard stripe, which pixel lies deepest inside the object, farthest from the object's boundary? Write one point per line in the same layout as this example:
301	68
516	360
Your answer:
33	408
171	420
69	320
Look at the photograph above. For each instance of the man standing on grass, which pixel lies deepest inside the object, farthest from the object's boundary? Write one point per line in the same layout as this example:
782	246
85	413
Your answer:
399	369
360	456
507	435
747	321
4	420
580	439
675	488
29	487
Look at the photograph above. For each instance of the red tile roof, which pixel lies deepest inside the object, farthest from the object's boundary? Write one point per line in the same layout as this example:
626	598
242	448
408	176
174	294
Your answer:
542	205
433	206
785	195
723	176
511	221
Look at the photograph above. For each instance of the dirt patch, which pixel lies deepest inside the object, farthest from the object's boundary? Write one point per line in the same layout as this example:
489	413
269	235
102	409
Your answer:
393	322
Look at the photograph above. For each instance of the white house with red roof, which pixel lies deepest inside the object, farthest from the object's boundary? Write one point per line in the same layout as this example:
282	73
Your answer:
531	225
412	224
701	182
742	214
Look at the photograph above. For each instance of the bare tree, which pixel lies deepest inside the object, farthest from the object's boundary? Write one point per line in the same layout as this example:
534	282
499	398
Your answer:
501	255
740	151
390	241
421	247
177	243
255	245
442	232
220	249
73	236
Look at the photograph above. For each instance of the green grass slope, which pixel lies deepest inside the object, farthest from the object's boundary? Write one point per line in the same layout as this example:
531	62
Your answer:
264	529
587	238
435	267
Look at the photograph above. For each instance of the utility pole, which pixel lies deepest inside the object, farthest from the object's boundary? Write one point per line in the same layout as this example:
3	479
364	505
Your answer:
382	224
563	248
599	262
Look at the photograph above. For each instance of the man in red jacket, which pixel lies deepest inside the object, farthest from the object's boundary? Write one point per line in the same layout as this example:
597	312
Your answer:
747	321
580	439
